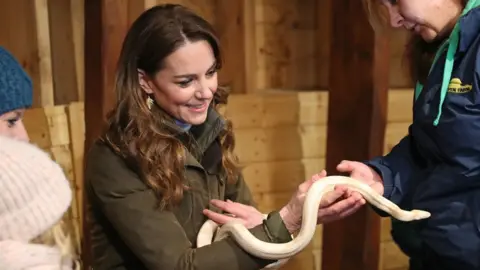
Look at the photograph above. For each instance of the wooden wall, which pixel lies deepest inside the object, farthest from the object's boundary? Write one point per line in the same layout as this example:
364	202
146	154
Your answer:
46	36
281	149
284	44
291	43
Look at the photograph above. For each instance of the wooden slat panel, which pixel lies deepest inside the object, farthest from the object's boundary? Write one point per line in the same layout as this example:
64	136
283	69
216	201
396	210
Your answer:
78	32
64	69
234	25
287	50
280	176
76	123
301	108
44	51
277	109
47	126
25	33
281	144
303	260
288	143
392	257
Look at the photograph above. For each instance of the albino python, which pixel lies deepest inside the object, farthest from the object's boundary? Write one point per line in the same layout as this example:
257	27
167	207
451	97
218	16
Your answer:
211	232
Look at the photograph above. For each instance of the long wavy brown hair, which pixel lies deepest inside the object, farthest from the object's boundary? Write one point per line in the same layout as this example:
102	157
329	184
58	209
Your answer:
419	54
144	135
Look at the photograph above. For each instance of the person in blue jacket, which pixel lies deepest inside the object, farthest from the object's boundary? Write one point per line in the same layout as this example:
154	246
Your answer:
436	167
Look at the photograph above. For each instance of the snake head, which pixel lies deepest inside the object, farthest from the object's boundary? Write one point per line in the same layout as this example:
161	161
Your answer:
419	214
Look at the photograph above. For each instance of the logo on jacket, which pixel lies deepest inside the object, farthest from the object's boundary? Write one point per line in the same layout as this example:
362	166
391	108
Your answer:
456	86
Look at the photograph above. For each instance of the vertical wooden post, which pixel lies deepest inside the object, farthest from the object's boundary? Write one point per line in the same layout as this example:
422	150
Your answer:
106	23
235	23
356	127
63	48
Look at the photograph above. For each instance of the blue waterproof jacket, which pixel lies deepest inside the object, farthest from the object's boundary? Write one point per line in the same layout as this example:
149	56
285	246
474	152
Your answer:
436	167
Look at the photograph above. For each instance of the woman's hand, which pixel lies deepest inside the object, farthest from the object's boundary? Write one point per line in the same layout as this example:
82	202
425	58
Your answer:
334	205
363	173
248	215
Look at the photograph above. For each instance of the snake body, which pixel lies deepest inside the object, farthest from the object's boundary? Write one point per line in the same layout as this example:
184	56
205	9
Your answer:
282	251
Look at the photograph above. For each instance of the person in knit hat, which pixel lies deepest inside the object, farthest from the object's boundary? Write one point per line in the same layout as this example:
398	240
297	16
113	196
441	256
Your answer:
16	95
34	195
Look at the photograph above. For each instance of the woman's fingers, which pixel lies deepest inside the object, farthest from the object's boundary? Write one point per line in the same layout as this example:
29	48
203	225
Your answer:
237	209
217	217
346	166
303	187
352	210
339	207
330	197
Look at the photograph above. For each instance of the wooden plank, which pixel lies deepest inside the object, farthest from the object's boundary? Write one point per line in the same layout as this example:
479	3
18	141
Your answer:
386	227
392	257
280	176
106	24
271	110
62	43
105	28
205	8
281	144
357	104
48	129
44	53
21	40
324	18
287	143
303	260
301	108
76	123
287	47
317	258
46	126
149	3
233	24
78	36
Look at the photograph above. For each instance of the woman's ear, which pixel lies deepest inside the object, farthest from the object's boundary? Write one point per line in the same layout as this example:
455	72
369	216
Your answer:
143	81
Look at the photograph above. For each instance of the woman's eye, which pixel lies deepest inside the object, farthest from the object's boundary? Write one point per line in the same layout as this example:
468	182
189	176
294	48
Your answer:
184	84
211	73
11	122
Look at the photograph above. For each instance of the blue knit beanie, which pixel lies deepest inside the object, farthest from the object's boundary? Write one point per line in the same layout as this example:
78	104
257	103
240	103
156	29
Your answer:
16	90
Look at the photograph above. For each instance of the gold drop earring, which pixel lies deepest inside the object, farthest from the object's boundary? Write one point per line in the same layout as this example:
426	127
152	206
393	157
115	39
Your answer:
149	102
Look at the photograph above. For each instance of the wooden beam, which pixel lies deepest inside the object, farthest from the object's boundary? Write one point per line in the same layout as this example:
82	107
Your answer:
63	52
235	24
105	27
358	79
78	35
44	53
106	24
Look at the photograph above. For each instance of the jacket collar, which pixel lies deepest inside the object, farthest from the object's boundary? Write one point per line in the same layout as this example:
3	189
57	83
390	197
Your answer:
469	29
198	138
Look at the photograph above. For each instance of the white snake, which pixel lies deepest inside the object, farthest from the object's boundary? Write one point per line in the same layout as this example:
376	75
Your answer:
210	232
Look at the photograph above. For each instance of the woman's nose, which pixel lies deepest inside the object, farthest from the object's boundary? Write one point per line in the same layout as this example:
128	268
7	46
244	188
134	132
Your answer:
396	19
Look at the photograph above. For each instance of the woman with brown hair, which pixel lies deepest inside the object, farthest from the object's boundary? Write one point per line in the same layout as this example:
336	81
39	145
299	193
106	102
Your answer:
436	167
165	162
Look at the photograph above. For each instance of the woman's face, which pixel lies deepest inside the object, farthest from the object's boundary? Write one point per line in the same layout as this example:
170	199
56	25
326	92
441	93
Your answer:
184	87
428	18
11	125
